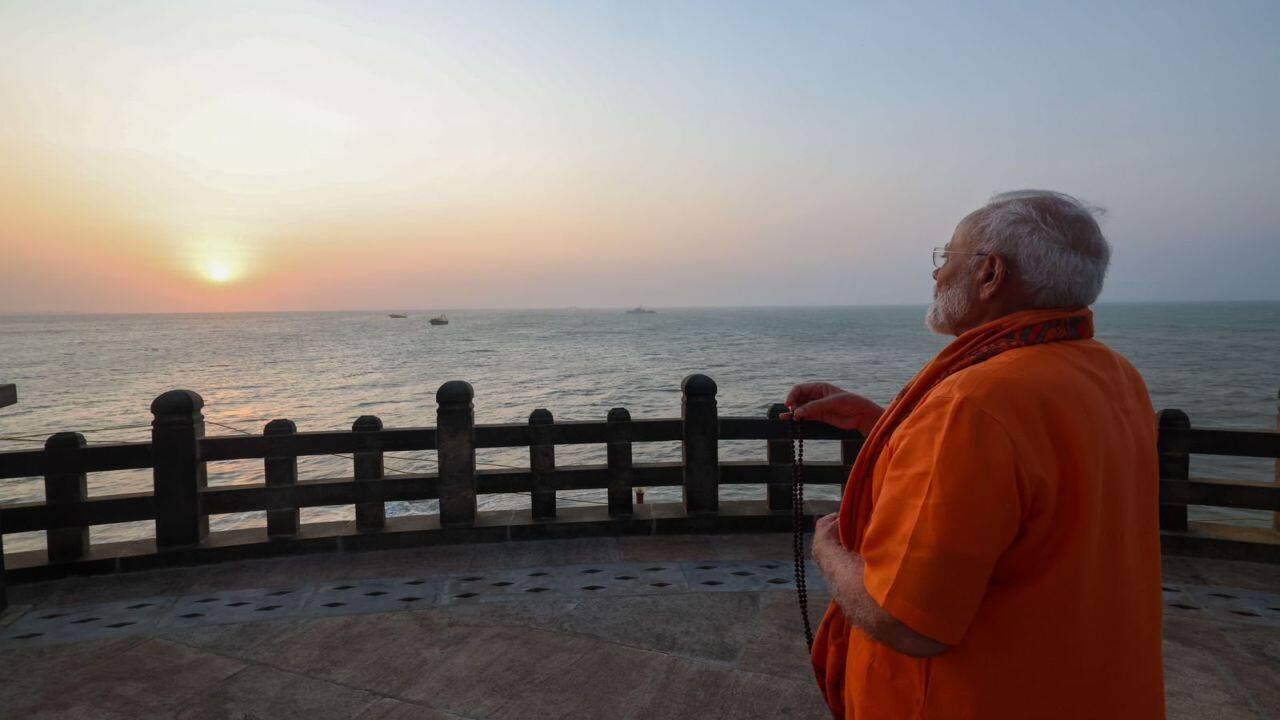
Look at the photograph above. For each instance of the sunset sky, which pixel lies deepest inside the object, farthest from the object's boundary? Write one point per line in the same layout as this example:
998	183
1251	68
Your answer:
167	157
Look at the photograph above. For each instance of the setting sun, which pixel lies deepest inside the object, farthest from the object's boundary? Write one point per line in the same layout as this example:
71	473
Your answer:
217	259
218	272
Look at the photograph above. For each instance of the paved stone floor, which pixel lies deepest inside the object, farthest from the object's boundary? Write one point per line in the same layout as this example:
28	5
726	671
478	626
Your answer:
670	627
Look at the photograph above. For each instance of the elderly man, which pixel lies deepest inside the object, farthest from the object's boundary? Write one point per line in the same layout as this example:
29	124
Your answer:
996	554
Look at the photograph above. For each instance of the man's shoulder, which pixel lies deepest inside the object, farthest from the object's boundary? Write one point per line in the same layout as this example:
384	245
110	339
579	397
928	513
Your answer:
1061	370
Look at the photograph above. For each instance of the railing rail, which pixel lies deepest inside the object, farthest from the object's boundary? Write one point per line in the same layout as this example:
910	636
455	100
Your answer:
137	455
1225	441
180	501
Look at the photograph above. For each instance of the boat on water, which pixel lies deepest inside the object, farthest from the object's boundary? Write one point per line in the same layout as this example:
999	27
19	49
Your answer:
640	311
397	315
439	320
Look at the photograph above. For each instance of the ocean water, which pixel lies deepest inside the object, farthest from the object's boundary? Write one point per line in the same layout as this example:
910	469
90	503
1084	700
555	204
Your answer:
97	374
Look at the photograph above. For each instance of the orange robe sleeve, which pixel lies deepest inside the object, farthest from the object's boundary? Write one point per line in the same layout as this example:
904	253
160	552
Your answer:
946	508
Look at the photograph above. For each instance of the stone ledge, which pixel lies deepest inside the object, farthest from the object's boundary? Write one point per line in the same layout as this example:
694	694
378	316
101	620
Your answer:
411	531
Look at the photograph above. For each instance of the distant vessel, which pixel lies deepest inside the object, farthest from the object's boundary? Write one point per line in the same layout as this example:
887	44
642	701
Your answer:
397	315
640	311
439	320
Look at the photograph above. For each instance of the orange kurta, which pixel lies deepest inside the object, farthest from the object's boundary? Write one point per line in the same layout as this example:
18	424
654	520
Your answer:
1015	518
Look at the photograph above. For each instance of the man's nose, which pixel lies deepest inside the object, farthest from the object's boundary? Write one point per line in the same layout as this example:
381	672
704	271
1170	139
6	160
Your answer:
934	274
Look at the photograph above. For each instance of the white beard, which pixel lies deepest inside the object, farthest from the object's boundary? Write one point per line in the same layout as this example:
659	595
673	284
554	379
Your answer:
948	308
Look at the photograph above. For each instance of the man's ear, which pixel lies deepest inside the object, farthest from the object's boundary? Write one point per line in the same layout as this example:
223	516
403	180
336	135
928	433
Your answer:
992	275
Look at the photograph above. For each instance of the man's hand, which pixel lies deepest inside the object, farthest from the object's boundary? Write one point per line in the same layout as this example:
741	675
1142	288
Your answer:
827	403
832	558
843	570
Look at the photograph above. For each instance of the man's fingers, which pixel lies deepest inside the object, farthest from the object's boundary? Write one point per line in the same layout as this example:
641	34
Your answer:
820	402
826	534
817	409
807	411
827	522
806	392
796	396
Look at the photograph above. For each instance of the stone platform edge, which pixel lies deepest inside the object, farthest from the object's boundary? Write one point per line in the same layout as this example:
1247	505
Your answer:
1207	540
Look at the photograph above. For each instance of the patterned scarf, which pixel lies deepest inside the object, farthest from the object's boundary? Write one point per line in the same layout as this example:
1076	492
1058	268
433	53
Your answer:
1021	329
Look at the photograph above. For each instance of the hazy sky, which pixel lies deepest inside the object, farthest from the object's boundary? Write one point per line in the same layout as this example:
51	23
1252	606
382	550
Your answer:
286	155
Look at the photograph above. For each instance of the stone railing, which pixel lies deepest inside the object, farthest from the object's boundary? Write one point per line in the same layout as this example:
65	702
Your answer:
181	501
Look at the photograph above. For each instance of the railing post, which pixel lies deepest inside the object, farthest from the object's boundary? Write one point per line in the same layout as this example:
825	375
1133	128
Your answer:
8	396
178	475
4	589
779	453
1175	464
281	470
542	461
370	516
65	484
1275	519
618	450
456	450
701	490
848	456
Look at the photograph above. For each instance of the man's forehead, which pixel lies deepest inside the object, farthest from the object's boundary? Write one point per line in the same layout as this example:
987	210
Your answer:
959	238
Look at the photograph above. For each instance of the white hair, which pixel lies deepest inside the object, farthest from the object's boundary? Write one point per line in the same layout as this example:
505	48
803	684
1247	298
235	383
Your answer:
1051	240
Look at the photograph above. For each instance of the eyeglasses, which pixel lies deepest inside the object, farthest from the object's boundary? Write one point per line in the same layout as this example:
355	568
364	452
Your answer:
940	255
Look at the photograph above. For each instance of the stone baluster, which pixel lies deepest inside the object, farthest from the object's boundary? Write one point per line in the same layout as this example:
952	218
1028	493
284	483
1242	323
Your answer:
542	461
456	445
281	470
65	484
178	473
779	453
621	476
701	487
1175	464
370	516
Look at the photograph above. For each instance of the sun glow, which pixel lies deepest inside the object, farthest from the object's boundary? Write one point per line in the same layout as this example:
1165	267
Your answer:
219	272
218	261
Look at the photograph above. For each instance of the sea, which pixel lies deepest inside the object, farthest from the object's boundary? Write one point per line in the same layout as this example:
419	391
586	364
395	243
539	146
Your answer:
97	374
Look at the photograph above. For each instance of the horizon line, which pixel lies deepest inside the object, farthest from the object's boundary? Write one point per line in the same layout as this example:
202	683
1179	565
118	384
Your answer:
42	313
